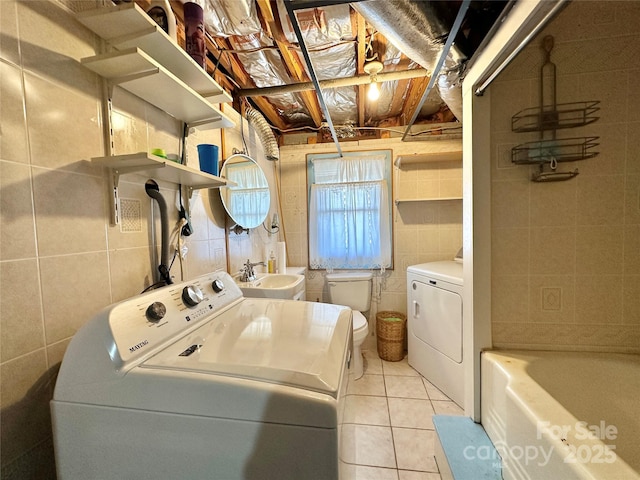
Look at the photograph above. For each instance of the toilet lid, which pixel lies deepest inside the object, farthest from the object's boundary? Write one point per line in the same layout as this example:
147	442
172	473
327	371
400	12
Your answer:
359	320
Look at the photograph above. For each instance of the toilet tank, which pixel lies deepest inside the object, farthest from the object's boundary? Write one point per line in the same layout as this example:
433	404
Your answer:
350	289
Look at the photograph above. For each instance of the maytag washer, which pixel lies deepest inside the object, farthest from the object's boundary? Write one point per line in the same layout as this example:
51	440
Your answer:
434	311
195	381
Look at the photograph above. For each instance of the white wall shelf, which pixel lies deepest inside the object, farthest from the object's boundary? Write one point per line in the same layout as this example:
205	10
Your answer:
163	169
400	201
126	26
138	73
142	59
420	158
426	161
142	163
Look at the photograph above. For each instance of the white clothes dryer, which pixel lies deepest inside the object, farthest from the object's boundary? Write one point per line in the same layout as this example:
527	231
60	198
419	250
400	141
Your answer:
434	325
195	381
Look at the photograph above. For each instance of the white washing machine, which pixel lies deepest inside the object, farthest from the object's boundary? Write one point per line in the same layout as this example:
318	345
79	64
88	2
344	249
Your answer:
195	381
434	325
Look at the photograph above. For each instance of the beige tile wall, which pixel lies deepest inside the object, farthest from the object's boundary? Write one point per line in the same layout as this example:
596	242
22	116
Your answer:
60	260
565	256
423	232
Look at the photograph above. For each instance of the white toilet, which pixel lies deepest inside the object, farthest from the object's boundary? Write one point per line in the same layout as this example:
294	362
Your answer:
353	290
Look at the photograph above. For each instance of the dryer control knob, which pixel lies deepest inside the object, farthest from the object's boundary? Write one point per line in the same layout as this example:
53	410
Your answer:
192	295
217	285
156	312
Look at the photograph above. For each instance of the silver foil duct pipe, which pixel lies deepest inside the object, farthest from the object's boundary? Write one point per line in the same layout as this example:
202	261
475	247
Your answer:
417	29
265	133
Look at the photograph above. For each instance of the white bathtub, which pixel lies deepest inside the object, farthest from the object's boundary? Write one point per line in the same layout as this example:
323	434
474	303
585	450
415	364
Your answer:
563	415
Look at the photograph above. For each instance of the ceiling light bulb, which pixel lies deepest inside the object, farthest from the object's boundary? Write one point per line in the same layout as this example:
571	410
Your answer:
374	92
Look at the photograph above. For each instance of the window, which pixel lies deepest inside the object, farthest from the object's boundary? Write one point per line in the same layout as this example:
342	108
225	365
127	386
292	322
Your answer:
350	210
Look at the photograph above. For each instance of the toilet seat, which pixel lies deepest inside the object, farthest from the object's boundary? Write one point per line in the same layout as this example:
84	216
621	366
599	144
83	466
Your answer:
359	321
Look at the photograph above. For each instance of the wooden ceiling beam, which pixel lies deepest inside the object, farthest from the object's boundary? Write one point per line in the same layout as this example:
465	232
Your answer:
400	93
244	79
416	90
291	60
361	97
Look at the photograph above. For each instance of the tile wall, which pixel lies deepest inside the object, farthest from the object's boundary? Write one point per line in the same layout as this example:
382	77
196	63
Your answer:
566	255
423	232
60	259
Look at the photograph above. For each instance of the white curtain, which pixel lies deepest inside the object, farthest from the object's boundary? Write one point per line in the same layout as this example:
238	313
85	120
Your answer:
349	224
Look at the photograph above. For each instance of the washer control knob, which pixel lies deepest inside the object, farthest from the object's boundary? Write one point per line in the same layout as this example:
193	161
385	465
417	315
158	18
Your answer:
217	285
192	295
156	312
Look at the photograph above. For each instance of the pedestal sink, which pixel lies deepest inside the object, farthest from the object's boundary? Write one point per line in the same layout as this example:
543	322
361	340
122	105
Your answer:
274	285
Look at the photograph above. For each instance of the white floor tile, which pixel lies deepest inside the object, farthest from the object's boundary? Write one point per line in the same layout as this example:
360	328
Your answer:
373	364
367	385
398	368
360	472
366	410
388	423
405	387
446	408
368	445
411	413
409	475
415	449
434	392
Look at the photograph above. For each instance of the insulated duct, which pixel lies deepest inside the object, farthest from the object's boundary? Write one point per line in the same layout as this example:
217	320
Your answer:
263	129
419	30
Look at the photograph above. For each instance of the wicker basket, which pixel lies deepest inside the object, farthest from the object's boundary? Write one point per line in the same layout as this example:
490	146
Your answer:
390	333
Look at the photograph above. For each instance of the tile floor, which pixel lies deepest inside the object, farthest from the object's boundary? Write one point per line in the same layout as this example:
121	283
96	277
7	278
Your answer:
389	432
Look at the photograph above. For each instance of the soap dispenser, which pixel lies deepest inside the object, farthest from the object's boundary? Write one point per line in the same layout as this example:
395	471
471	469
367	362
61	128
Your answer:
271	264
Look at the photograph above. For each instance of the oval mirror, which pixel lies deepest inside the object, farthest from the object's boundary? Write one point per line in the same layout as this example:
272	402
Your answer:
247	197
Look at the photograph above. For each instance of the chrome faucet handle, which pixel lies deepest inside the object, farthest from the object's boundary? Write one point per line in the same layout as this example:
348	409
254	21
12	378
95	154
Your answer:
248	274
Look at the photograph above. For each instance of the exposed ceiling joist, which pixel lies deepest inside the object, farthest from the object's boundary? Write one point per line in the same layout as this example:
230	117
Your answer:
243	78
251	43
291	61
360	57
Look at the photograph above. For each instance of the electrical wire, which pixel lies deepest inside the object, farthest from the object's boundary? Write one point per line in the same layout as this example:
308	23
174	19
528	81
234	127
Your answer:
387	129
177	238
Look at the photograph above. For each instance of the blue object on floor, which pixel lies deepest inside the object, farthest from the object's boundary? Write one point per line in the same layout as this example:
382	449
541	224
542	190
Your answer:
467	448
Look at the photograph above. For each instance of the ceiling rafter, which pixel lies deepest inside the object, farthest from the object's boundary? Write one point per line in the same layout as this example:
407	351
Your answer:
402	89
360	57
403	101
291	60
416	90
244	79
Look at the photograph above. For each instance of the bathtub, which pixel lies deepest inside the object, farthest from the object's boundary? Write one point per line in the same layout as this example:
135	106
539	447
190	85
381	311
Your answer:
563	415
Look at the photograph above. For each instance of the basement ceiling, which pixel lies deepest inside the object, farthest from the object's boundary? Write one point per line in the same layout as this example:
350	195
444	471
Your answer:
255	54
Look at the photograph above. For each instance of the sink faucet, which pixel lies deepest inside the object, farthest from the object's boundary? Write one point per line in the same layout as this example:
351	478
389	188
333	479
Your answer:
247	274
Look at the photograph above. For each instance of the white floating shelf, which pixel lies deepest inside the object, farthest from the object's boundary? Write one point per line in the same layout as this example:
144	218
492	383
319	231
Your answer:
138	73
420	200
127	25
428	157
143	163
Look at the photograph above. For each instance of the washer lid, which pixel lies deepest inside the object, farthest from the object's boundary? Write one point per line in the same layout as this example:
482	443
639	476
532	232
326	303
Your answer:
300	344
446	271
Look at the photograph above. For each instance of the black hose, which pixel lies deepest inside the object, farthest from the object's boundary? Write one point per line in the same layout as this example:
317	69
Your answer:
152	189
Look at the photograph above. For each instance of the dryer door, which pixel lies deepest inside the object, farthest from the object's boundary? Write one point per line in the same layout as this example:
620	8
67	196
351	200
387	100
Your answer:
435	317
